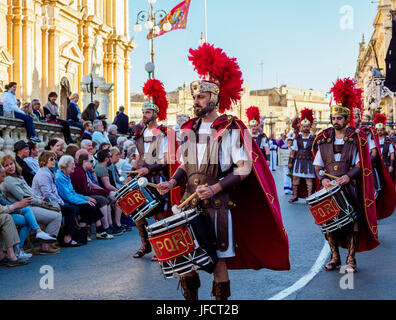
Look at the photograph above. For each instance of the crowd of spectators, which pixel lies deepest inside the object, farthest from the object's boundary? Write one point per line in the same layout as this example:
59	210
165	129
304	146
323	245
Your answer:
64	195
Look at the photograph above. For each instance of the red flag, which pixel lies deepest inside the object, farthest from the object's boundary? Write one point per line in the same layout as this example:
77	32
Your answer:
177	17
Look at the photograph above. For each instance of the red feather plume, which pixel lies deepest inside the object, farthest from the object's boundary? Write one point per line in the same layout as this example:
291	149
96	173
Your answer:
307	114
214	65
253	112
155	91
346	92
379	118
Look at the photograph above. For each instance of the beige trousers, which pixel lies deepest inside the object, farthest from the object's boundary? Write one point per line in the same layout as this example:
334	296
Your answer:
8	232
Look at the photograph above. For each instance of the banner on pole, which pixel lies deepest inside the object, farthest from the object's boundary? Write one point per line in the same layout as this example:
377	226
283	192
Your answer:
177	17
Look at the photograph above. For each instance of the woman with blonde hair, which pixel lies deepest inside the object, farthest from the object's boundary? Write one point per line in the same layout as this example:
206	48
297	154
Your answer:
74	113
15	188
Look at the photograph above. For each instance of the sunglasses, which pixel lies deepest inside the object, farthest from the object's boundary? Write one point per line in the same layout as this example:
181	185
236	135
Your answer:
90	161
51	159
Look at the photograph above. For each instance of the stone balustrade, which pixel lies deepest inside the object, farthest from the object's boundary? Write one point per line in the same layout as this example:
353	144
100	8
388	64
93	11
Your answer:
13	130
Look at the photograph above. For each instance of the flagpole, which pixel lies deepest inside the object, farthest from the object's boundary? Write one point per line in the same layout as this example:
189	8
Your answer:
206	23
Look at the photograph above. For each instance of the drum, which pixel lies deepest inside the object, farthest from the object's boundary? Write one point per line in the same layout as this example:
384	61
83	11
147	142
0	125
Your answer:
331	209
182	243
139	202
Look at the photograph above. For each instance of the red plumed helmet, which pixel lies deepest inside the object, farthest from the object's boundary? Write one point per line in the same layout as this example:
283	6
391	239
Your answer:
213	65
379	120
347	95
155	91
307	115
253	114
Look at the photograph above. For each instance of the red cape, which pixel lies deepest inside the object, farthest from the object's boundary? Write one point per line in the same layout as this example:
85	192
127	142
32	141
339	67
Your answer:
260	238
368	235
386	200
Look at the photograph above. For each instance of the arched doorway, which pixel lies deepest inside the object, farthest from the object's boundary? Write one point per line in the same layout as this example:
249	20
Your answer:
65	93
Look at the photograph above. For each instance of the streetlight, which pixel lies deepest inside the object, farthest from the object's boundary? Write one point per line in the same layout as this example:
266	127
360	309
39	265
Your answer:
201	40
92	84
150	19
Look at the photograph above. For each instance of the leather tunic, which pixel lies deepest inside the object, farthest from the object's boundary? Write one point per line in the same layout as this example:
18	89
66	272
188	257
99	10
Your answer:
304	159
209	172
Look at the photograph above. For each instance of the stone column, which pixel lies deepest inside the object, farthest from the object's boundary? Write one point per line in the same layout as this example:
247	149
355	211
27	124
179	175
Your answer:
16	52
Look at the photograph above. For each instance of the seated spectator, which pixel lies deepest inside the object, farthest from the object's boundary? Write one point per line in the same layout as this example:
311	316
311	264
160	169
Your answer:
23	216
87	145
127	166
28	110
88	131
104	146
81	185
98	116
131	129
113	135
115	157
32	161
98	135
52	116
10	104
88	211
8	239
21	149
15	188
74	112
56	145
71	150
105	178
44	185
121	141
89	113
38	112
121	121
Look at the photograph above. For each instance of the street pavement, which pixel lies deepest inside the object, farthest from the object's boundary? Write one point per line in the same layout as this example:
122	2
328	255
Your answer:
105	269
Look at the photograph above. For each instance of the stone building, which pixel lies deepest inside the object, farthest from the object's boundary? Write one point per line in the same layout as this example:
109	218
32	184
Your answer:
373	54
277	106
49	45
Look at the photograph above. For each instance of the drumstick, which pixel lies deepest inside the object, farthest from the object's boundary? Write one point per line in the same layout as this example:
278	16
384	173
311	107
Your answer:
129	171
155	185
189	198
323	173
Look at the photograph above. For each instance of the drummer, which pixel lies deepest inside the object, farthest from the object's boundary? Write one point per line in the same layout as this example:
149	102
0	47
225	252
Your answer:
337	153
152	153
229	192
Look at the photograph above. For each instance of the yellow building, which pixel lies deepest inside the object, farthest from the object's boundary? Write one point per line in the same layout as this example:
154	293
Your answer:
279	103
47	45
373	54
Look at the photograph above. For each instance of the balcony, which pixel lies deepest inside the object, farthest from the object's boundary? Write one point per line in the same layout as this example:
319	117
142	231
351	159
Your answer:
13	130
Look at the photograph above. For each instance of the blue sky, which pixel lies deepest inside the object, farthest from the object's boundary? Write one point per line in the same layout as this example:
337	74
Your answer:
301	42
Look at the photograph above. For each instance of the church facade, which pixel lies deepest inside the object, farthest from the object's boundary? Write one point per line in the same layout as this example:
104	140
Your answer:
50	45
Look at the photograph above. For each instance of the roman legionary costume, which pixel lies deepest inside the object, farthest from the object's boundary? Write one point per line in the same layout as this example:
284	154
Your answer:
245	216
301	160
253	114
385	142
152	147
385	196
349	156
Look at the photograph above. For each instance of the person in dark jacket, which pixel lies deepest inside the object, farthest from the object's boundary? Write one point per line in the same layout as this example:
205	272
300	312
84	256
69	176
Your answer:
112	135
88	131
74	113
21	149
122	121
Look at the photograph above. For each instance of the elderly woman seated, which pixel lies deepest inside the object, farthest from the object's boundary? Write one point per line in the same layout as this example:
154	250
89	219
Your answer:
15	189
88	211
44	185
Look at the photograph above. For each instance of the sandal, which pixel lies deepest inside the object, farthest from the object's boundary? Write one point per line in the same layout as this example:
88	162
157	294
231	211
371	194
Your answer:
351	265
293	200
154	258
142	251
333	264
